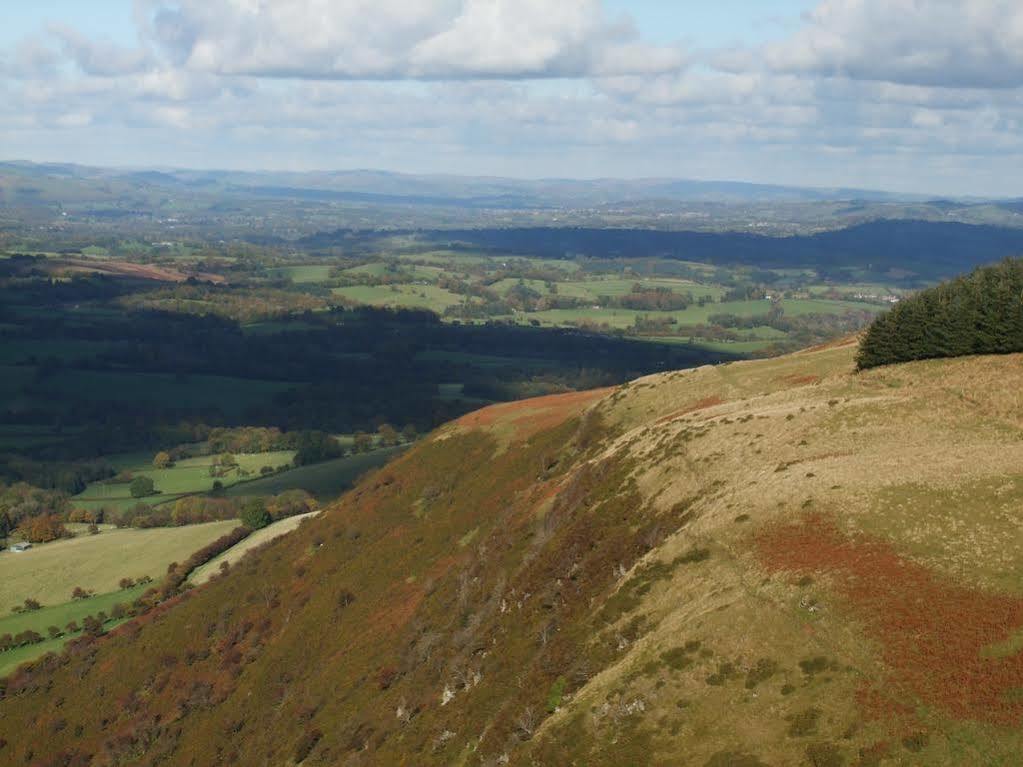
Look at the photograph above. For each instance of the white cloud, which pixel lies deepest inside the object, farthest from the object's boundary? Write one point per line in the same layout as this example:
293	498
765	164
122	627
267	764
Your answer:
401	39
103	59
532	87
939	43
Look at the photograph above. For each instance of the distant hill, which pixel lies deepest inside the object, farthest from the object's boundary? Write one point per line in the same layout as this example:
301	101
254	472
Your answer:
451	189
779	562
294	204
918	251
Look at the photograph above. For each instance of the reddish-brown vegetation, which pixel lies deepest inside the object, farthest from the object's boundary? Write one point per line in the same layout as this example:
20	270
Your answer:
932	632
531	416
141	271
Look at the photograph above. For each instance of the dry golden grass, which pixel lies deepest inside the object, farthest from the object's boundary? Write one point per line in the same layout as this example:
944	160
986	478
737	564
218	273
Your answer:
927	456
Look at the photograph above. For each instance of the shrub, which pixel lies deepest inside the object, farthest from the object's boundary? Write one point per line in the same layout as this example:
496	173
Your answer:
254	514
916	742
764	669
306	744
29	605
43	529
141	487
555	695
824	755
804	723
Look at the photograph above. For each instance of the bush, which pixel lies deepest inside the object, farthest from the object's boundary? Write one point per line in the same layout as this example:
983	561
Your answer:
141	487
804	723
162	460
178	573
43	529
254	514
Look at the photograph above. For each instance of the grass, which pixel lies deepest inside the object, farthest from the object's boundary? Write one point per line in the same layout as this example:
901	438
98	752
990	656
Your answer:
324	480
305	273
236	552
49	572
410	296
190	475
60	615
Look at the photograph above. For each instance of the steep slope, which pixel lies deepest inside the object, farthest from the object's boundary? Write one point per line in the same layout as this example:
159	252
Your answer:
776	562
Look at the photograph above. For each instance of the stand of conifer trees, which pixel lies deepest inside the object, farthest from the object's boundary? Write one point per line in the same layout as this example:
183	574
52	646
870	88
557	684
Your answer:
981	313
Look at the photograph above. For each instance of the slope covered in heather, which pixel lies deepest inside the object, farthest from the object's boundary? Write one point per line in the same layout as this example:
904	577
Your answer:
777	562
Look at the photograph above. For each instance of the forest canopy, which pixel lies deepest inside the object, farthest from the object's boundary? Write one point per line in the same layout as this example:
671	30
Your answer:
980	313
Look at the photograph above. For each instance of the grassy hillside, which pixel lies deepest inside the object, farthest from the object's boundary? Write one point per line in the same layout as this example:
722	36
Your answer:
779	562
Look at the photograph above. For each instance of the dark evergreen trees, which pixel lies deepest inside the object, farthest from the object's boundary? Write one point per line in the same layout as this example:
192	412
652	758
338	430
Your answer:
981	313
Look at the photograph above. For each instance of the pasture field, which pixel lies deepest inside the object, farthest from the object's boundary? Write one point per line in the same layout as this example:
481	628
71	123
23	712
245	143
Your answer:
406	295
49	572
598	286
60	615
415	270
236	552
303	274
190	475
11	659
324	480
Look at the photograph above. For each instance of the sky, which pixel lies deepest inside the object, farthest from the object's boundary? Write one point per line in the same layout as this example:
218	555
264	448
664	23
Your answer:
907	95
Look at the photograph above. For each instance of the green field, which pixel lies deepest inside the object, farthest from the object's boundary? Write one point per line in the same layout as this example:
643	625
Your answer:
190	475
410	296
305	273
60	614
10	660
49	572
324	480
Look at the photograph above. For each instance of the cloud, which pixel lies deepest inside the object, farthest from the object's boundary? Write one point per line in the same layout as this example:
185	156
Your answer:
934	43
401	39
102	59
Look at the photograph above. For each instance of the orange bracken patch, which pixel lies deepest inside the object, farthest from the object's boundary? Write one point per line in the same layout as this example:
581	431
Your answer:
702	404
932	632
531	416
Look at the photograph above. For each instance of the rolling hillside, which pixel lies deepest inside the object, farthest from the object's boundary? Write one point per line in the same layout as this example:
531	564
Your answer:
777	562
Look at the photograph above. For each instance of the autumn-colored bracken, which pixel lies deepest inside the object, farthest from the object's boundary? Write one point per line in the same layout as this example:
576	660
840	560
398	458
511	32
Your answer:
936	636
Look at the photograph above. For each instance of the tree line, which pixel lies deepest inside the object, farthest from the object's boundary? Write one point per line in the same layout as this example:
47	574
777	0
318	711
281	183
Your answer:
980	313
